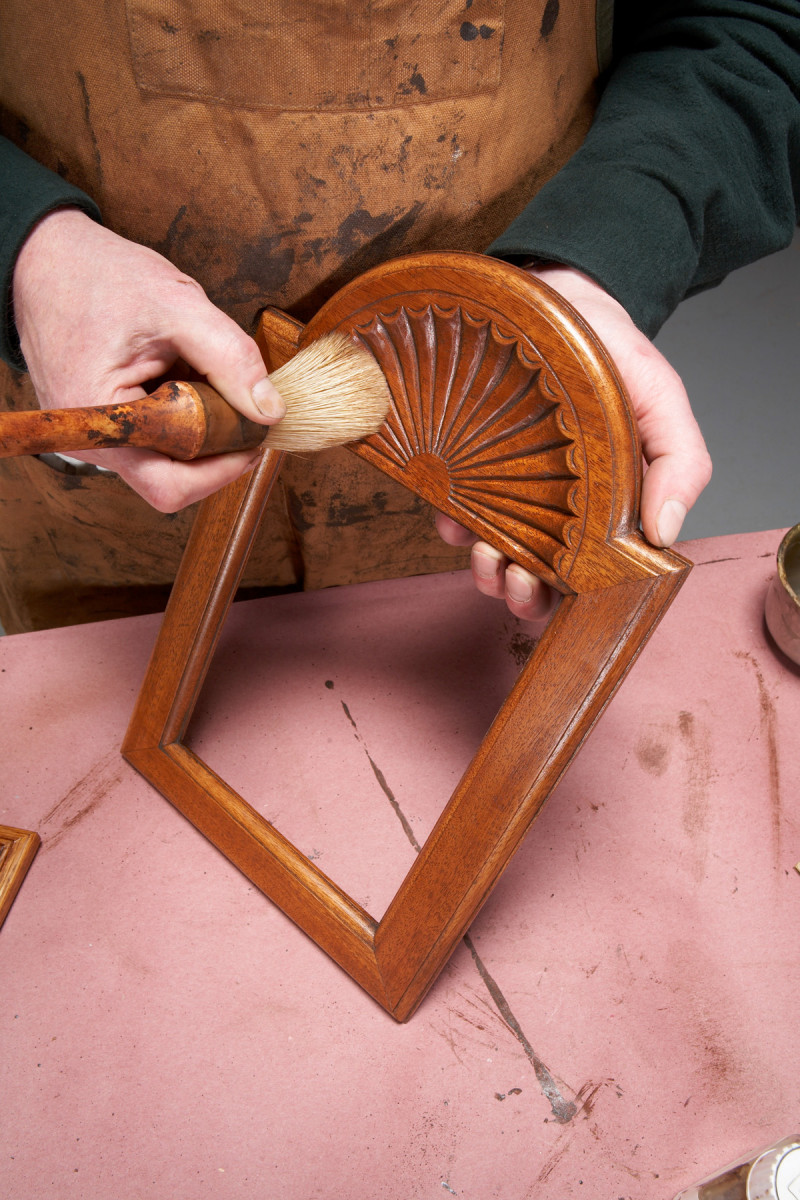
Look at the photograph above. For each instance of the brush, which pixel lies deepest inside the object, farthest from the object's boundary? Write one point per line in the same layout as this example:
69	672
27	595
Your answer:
334	392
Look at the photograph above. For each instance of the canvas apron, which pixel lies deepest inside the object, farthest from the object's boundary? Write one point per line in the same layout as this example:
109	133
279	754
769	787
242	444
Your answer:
273	149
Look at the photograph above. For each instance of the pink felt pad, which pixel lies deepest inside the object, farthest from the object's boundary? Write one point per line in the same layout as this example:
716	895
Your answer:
621	1021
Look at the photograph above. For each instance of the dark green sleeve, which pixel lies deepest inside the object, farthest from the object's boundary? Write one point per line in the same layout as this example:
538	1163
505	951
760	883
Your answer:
27	192
692	165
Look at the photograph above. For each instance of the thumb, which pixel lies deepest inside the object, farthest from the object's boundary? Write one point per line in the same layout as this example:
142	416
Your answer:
679	465
212	343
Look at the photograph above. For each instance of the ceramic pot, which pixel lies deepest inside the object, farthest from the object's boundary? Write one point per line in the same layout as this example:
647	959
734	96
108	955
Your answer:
782	605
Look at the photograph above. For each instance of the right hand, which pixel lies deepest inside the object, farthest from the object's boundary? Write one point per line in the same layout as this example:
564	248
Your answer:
679	465
98	316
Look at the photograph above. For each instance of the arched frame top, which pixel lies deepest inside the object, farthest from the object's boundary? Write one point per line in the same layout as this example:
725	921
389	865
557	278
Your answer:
507	414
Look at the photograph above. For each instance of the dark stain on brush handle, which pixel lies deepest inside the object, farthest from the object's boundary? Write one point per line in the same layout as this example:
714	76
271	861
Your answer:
181	420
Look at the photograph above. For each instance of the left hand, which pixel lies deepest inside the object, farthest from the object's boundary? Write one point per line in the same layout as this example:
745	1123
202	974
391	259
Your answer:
99	317
679	465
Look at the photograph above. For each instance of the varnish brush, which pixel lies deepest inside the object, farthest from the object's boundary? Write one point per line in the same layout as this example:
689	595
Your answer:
334	392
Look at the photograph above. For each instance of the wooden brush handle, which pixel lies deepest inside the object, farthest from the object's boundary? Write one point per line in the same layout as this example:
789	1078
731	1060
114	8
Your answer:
182	420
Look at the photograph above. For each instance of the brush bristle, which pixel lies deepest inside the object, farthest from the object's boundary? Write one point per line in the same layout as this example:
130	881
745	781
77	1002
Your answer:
334	392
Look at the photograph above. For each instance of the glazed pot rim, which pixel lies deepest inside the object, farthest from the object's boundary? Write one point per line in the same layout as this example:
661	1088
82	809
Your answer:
791	539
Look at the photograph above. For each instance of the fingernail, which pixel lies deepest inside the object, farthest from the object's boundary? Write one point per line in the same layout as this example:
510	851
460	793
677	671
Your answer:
268	399
485	565
517	589
669	521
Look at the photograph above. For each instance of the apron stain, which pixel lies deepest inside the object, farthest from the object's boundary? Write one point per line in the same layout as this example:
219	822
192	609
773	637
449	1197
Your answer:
87	112
416	83
263	268
173	233
341	512
549	18
357	228
470	32
296	505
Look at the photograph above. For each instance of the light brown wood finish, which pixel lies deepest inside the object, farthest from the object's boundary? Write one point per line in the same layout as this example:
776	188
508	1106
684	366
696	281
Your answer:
17	851
507	415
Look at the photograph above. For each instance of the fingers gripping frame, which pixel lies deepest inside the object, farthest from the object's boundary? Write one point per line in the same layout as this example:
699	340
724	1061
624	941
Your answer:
508	416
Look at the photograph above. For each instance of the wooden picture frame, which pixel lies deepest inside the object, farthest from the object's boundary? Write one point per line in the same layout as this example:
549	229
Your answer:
17	851
508	416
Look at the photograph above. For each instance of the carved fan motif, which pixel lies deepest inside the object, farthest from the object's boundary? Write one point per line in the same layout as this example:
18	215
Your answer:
479	425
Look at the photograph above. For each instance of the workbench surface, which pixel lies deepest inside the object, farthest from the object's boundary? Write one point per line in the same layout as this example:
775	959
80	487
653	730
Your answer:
621	1020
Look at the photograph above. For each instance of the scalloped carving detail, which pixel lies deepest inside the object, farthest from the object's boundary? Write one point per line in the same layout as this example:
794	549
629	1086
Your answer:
480	424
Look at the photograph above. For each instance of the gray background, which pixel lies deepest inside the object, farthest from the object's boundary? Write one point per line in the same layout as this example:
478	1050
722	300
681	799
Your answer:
737	349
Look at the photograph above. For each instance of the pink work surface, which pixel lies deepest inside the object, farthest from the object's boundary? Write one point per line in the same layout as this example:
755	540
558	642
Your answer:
622	1019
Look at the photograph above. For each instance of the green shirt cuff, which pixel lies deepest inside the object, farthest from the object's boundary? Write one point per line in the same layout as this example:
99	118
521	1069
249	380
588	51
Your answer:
28	191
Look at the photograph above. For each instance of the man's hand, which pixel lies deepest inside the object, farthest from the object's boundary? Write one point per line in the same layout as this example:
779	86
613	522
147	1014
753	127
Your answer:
99	316
679	465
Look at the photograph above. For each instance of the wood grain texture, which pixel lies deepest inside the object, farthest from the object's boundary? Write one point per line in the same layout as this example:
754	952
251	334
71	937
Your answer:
509	416
17	851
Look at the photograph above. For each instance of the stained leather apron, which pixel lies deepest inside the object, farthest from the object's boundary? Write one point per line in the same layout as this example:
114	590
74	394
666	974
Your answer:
273	150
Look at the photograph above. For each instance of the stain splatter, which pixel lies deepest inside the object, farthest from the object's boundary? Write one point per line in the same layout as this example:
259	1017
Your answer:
81	800
585	1104
470	32
296	505
359	227
563	1110
652	754
710	561
769	732
341	513
587	1096
381	778
549	18
23	130
698	755
521	646
173	232
392	241
263	268
87	113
